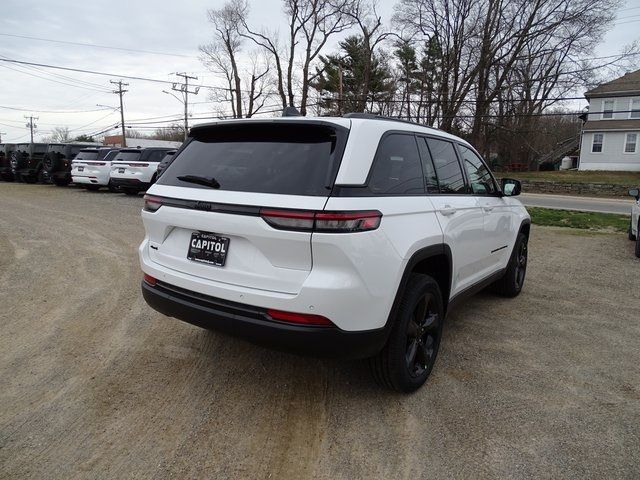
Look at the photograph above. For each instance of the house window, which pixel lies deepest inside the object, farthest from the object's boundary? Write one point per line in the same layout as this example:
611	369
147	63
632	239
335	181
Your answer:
630	142
635	108
607	108
598	140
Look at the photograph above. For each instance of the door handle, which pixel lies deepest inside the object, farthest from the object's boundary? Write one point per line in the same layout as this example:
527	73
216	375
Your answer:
447	210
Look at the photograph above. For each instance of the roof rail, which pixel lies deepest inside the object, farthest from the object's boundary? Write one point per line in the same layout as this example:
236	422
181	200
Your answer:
372	116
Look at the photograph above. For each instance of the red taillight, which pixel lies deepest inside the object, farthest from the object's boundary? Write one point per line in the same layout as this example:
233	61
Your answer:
152	203
299	318
149	279
327	222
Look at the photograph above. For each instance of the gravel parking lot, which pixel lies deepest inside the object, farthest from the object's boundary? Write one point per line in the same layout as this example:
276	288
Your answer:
94	384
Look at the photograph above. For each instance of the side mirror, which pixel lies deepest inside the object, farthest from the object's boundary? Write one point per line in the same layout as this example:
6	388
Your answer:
635	192
510	187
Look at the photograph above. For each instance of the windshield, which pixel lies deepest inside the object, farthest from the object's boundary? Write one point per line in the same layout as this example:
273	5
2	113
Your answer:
88	155
127	156
292	159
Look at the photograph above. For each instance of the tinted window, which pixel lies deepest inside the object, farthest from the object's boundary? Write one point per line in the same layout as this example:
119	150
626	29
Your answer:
447	166
478	174
294	159
87	156
154	155
127	156
430	177
111	155
396	168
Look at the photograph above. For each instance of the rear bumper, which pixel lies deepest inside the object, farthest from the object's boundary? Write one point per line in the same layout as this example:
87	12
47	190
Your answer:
255	325
130	182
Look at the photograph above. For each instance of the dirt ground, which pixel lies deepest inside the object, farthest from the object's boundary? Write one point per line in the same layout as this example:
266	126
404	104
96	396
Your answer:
94	384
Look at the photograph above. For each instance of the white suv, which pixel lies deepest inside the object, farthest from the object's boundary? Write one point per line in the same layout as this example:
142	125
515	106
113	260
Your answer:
91	168
134	169
348	236
634	224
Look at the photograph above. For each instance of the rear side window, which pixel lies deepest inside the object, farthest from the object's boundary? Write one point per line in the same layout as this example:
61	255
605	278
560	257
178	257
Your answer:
396	168
479	177
430	177
447	166
284	158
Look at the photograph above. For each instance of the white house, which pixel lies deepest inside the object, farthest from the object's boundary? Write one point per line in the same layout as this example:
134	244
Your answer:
611	134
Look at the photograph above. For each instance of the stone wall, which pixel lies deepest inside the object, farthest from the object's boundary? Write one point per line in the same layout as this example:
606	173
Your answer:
568	188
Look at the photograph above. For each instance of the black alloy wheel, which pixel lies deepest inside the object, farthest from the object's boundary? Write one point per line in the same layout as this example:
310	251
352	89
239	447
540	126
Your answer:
521	262
423	336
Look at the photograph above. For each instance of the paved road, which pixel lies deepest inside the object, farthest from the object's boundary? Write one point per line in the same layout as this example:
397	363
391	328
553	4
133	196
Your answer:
95	384
585	204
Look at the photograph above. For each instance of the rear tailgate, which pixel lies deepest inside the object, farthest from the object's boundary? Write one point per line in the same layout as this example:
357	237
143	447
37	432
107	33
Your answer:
257	166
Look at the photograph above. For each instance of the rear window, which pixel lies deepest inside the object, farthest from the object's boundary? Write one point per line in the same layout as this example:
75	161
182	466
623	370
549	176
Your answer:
127	156
111	156
284	158
87	156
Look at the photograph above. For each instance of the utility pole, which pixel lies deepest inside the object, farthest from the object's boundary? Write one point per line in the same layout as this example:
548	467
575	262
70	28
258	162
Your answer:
184	88
31	125
121	92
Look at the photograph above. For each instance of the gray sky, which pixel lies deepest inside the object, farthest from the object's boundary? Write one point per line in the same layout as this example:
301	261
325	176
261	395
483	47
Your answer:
175	28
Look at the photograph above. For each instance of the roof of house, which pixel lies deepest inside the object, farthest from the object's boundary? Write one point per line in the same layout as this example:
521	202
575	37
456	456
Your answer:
628	84
603	125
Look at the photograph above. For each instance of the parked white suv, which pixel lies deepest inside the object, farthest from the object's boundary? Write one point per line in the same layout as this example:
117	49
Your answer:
634	224
348	236
134	169
92	166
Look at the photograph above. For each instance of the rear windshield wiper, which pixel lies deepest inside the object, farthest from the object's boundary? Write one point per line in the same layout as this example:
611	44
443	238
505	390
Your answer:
207	182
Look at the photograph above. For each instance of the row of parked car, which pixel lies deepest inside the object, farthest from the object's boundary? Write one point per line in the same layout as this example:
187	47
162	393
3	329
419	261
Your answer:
88	165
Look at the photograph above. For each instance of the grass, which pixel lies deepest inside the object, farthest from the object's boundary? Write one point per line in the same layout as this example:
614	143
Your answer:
601	222
575	176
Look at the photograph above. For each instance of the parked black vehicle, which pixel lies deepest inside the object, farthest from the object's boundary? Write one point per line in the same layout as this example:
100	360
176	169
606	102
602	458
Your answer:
135	169
57	162
165	162
27	161
6	151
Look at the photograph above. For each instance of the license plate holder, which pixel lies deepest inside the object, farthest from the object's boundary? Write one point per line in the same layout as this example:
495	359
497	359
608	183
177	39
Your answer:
81	169
209	248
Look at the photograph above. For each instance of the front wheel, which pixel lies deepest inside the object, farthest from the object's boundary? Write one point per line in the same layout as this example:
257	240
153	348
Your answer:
630	232
406	361
511	283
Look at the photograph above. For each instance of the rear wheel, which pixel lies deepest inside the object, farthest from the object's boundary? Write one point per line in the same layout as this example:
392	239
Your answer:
406	361
112	188
638	239
42	176
511	283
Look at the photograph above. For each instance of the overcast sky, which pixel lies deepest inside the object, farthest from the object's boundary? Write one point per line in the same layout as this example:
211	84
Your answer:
172	28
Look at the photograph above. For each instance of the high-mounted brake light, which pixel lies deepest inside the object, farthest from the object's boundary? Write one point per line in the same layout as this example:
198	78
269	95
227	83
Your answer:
152	203
299	318
327	222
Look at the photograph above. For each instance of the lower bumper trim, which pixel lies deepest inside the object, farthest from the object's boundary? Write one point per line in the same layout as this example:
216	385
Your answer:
254	325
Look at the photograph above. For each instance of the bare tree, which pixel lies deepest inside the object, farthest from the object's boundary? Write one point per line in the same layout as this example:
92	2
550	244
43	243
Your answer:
222	57
58	135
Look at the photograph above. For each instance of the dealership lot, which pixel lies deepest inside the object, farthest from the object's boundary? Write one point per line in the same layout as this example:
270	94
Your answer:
93	383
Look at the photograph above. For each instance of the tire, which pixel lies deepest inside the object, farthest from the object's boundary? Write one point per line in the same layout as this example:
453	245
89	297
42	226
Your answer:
511	283
61	182
630	232
638	240
42	178
407	359
112	188
130	191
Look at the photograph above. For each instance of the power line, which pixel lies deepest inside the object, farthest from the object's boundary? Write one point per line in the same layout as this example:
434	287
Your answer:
121	92
51	111
66	42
